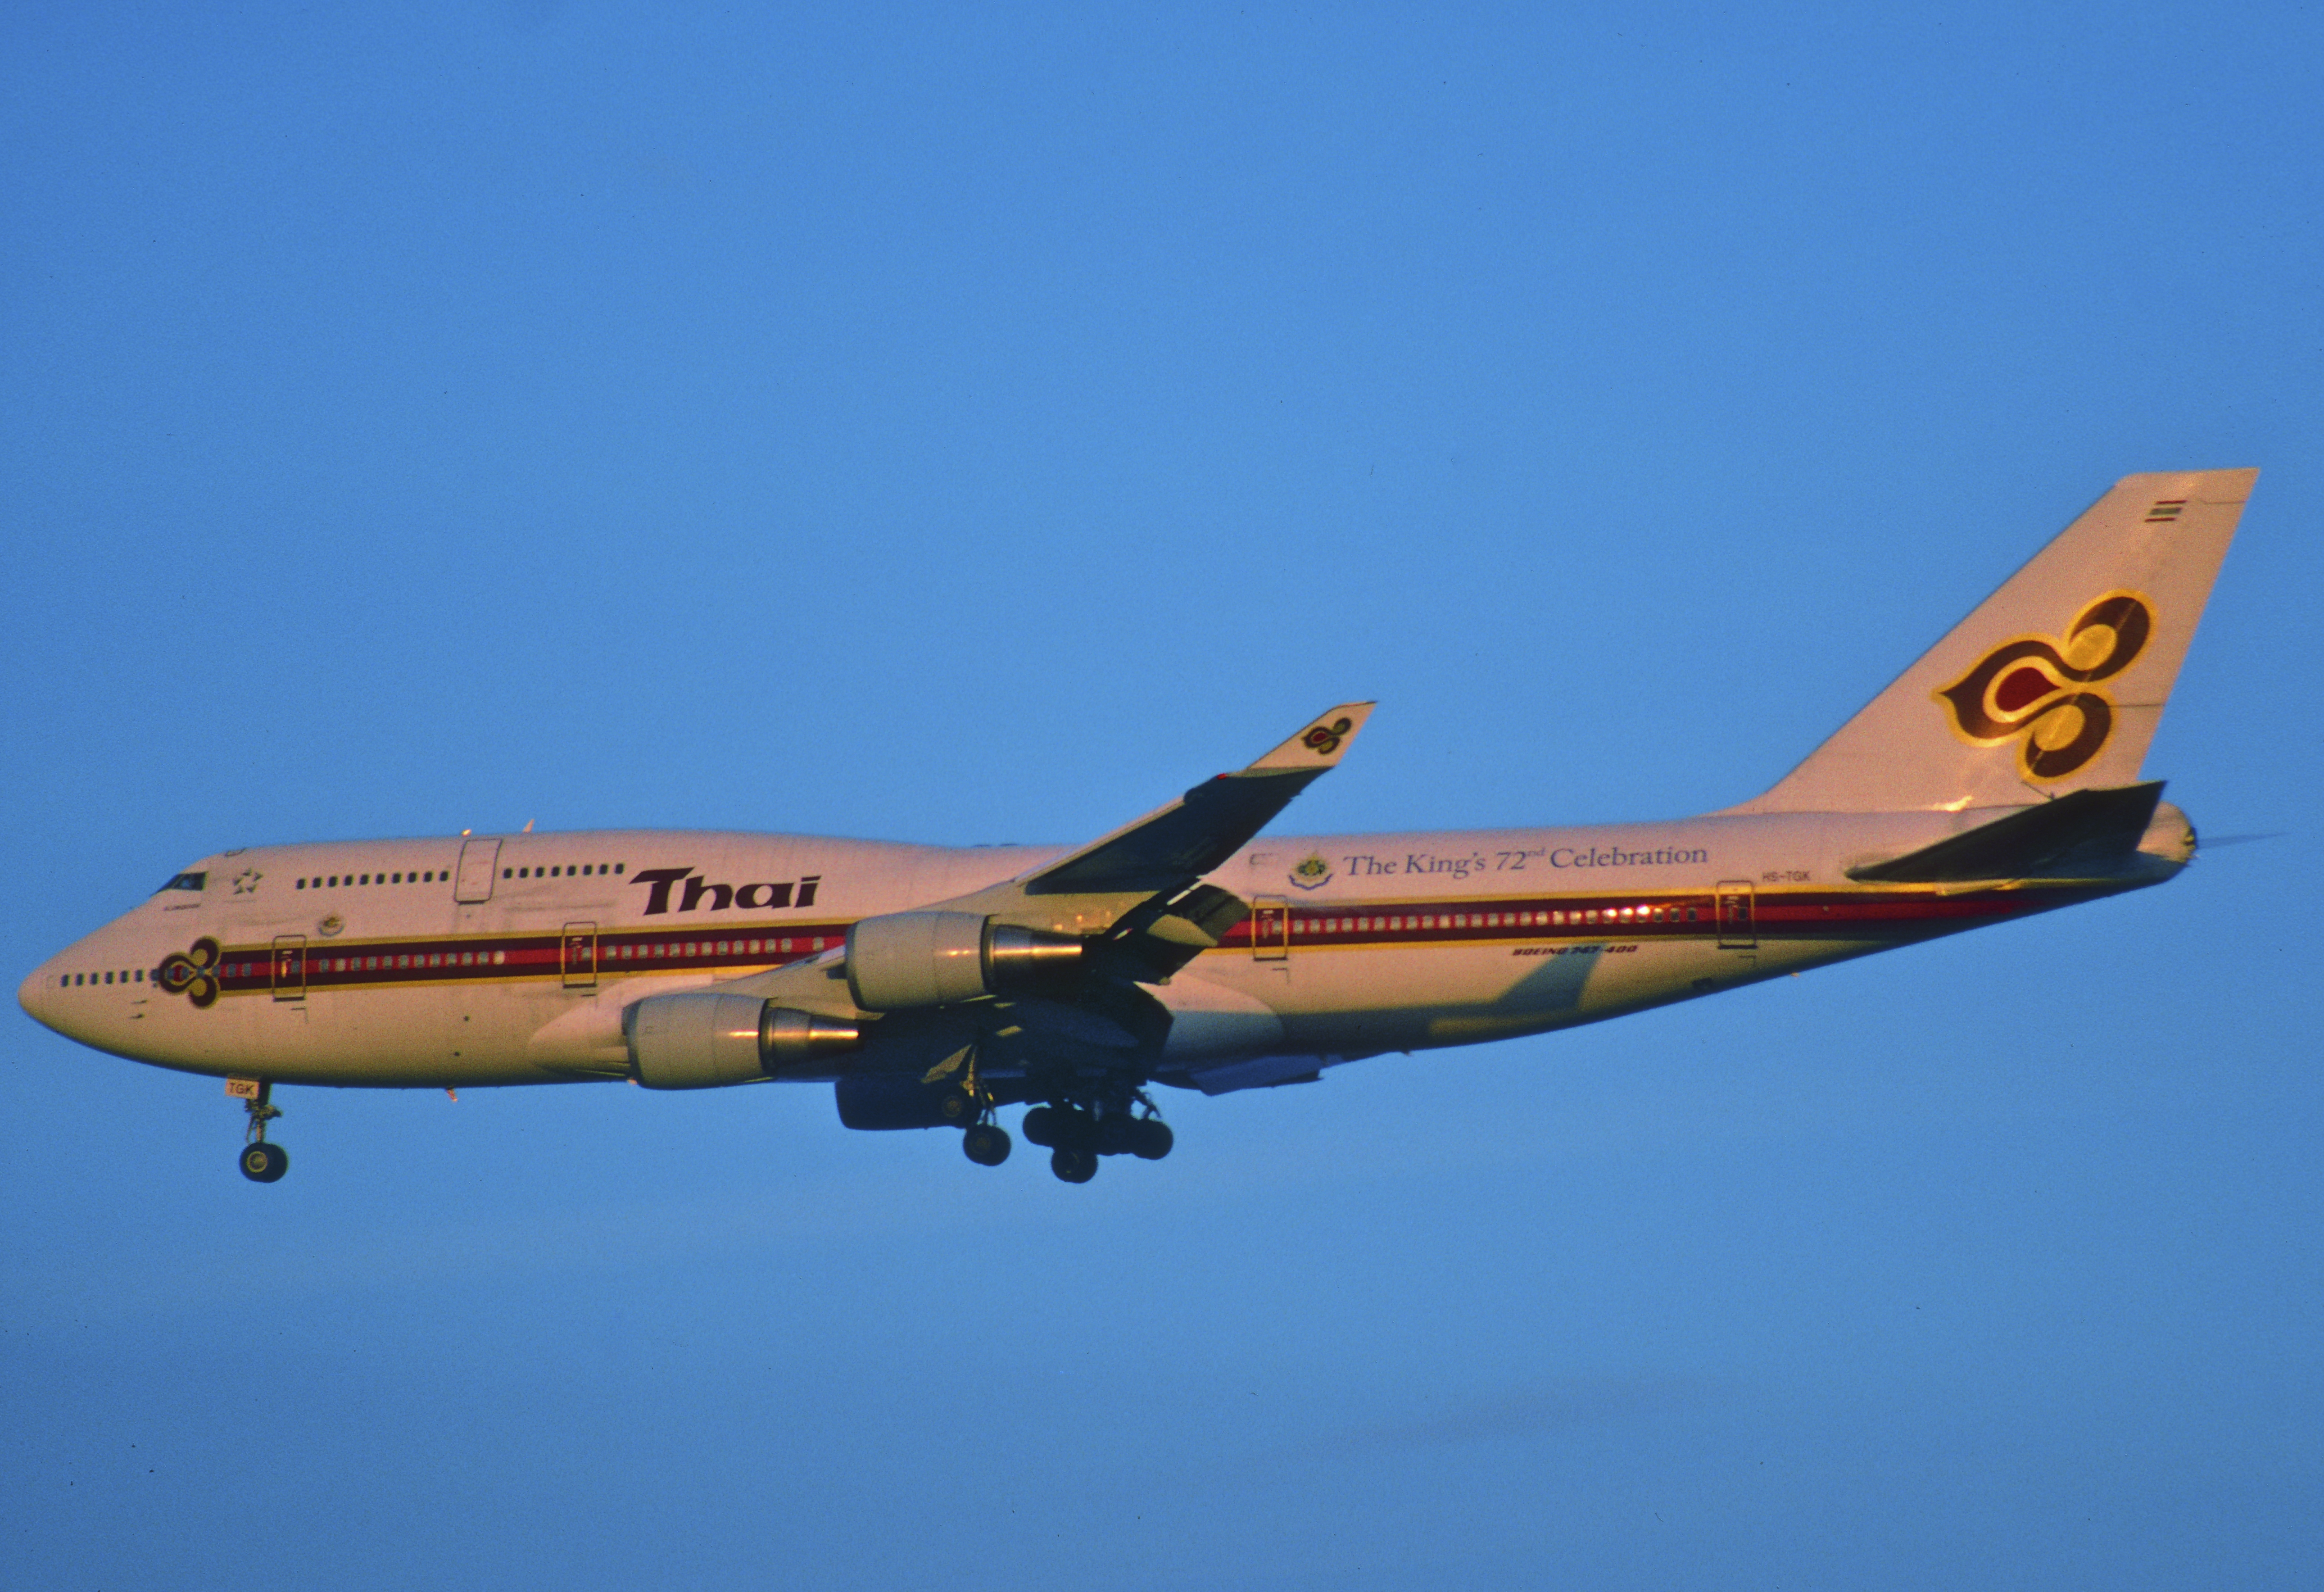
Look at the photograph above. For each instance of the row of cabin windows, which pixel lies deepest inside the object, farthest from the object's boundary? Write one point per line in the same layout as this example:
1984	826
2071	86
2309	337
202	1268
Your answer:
431	875
76	980
334	880
480	959
1575	918
709	948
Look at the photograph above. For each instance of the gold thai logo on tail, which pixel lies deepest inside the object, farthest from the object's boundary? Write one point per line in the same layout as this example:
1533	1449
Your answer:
2043	692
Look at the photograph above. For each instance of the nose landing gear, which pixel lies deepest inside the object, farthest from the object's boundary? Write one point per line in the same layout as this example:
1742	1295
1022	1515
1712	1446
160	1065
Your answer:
261	1162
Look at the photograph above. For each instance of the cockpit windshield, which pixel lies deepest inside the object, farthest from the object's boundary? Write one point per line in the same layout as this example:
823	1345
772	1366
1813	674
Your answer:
187	882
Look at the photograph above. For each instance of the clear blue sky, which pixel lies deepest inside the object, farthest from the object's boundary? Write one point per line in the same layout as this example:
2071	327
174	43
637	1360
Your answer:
957	427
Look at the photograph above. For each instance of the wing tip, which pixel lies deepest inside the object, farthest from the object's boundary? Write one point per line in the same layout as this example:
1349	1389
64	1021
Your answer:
1323	743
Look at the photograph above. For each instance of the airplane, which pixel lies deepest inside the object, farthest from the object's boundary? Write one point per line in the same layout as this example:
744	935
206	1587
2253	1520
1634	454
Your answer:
1998	777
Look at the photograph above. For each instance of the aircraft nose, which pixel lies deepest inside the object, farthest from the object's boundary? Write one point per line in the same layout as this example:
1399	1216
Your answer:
38	995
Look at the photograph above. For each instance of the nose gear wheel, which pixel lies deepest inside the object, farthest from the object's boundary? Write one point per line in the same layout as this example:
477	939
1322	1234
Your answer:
261	1162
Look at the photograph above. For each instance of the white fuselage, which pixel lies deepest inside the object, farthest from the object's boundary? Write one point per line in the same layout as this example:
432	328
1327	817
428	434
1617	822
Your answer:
506	960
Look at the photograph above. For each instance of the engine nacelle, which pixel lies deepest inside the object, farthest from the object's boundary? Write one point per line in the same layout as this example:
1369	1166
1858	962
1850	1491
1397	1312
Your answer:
905	961
703	1040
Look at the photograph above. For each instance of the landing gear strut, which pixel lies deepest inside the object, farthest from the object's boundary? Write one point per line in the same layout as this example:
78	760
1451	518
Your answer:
983	1140
262	1162
1077	1133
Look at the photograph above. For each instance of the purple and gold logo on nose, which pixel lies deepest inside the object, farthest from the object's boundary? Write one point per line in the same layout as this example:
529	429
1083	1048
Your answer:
2042	692
193	972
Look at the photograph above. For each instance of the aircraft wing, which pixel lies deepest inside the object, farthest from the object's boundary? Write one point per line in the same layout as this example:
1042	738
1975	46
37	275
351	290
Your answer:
1171	846
1140	890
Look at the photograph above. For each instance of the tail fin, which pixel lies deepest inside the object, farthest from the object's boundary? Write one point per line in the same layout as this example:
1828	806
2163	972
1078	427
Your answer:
2057	681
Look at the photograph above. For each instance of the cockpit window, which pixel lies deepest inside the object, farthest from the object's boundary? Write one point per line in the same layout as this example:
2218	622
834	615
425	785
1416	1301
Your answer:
187	882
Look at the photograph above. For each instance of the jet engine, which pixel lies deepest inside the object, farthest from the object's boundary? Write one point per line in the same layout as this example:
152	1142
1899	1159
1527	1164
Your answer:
701	1040
905	962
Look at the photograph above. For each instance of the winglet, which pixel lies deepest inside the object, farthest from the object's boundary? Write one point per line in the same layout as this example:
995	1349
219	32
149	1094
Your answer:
1322	743
1175	845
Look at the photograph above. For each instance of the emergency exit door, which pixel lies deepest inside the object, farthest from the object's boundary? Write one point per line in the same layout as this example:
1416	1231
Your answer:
289	966
480	860
1270	929
580	956
1738	929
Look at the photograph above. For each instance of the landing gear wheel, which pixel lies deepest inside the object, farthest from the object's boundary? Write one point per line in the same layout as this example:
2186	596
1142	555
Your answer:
986	1143
264	1163
1073	1166
1150	1138
261	1162
1045	1125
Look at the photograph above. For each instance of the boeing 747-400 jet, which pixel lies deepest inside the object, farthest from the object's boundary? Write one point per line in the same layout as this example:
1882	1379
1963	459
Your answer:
1998	777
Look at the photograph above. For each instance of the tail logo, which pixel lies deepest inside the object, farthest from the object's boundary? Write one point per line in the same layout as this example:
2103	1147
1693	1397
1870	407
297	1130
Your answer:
1325	738
2040	691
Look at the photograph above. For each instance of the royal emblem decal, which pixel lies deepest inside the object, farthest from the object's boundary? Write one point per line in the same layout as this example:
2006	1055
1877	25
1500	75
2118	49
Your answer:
1312	872
193	972
2043	691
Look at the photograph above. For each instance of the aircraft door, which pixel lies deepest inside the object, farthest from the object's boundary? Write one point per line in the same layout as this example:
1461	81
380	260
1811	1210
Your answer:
580	956
480	861
1738	928
289	966
1270	928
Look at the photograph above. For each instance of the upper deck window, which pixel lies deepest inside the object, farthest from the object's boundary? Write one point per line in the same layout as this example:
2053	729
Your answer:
187	882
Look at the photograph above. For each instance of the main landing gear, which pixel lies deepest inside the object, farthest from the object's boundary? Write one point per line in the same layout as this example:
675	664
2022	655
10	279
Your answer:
1076	1136
261	1162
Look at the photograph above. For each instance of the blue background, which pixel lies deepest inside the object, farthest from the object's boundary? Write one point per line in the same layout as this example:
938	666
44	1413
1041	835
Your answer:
910	424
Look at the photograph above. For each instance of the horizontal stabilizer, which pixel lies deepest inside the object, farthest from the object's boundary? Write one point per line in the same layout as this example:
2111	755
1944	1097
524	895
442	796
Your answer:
2082	832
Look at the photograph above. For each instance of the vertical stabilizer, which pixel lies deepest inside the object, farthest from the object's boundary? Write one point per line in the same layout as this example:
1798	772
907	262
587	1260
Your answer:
2057	681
